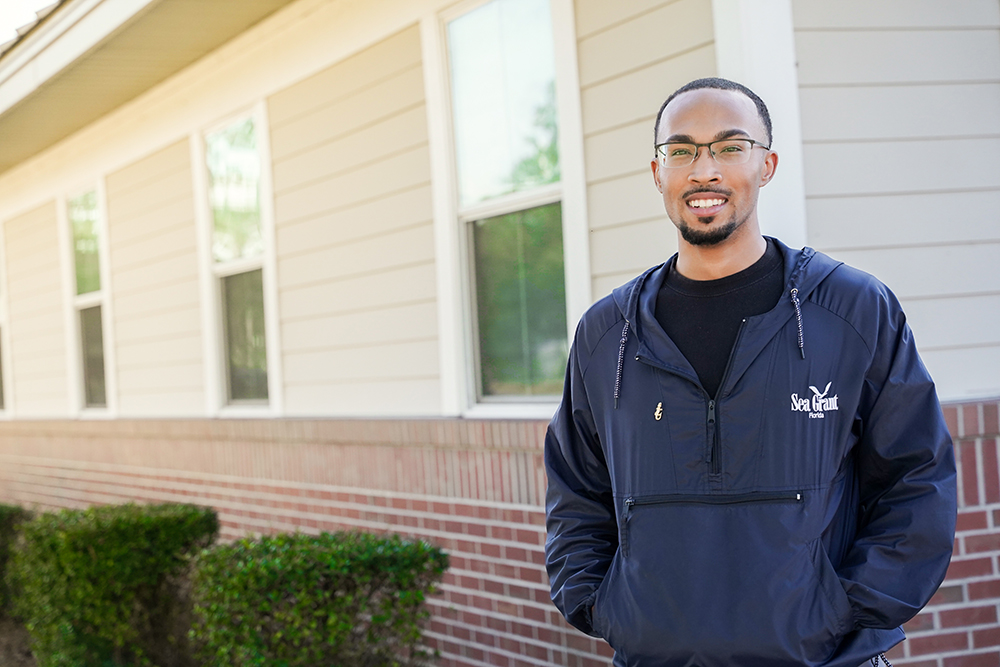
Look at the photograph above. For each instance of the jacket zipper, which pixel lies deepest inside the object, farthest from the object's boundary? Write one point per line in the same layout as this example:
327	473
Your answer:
701	499
713	422
713	436
715	453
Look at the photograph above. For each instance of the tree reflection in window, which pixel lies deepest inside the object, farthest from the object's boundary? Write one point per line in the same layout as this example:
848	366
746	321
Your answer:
234	192
82	212
521	302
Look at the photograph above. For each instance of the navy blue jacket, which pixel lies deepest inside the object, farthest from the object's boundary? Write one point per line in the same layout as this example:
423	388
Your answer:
799	519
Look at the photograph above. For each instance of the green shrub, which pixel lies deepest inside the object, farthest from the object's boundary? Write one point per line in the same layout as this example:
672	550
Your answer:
99	586
342	599
11	516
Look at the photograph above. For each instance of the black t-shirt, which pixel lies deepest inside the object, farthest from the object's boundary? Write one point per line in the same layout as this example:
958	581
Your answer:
703	317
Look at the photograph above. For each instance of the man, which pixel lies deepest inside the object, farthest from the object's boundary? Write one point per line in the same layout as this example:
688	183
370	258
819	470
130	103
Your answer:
749	466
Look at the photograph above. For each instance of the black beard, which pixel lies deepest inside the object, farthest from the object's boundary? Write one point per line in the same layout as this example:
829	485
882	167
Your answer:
711	237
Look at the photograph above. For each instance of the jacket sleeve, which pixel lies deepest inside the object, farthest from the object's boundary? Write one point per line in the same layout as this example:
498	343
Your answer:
580	518
906	474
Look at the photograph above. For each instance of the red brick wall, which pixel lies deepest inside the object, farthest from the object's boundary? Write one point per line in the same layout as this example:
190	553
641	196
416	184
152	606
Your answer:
960	627
475	488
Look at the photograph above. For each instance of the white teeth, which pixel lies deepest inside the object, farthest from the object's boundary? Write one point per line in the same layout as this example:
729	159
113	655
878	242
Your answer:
706	203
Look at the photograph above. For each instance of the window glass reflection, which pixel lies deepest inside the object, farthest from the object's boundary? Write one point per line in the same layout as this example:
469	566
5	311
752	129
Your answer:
521	302
2	404
92	343
82	213
503	96
234	191
243	298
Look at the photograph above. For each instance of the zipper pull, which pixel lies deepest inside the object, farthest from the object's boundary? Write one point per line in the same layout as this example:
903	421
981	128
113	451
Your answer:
623	536
711	413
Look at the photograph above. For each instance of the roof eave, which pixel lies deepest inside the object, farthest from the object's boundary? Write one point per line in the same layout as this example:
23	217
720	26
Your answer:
92	56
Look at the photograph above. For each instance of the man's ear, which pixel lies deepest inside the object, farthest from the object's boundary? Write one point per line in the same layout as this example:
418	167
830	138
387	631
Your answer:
770	166
654	165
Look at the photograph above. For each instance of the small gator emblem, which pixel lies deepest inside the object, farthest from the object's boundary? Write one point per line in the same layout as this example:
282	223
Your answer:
659	411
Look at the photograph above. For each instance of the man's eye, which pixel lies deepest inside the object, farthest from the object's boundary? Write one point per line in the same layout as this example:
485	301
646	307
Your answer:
680	151
730	148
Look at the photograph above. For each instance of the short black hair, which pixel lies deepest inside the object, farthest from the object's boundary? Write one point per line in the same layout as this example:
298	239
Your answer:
719	84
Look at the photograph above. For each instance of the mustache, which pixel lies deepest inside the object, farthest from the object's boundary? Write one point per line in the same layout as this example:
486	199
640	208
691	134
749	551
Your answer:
713	191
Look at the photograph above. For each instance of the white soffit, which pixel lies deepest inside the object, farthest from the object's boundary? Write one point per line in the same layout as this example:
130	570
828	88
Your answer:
92	56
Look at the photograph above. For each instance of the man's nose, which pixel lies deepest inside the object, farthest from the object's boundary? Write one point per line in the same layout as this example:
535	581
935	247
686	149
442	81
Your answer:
704	168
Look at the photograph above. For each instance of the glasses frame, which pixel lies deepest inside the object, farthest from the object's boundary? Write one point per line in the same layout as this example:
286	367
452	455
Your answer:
662	158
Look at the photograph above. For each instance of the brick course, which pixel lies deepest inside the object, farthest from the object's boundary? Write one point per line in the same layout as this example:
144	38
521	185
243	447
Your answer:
965	629
476	488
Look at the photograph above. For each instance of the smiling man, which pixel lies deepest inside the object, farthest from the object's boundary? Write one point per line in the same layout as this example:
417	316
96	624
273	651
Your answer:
749	466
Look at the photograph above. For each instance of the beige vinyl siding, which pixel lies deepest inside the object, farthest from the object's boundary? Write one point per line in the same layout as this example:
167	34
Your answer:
39	363
154	271
900	106
632	56
355	238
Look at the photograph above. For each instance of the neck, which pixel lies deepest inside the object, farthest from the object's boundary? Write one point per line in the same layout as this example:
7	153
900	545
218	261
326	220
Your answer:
736	253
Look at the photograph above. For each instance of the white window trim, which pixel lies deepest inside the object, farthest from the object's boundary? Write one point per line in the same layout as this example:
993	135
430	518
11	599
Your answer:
9	409
73	303
576	225
108	303
511	203
74	373
210	275
755	45
455	326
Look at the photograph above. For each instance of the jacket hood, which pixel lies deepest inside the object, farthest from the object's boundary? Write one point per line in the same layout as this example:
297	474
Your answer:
804	270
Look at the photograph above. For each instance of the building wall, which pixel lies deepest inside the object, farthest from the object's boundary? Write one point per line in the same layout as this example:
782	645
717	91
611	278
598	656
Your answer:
475	488
900	106
38	351
631	57
357	276
355	237
154	285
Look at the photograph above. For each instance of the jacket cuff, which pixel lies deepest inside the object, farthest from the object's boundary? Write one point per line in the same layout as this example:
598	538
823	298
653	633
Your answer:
582	617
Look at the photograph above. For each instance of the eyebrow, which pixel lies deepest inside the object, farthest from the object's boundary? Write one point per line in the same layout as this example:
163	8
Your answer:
687	139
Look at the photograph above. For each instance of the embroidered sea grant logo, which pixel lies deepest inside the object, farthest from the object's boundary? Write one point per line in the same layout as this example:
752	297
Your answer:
818	405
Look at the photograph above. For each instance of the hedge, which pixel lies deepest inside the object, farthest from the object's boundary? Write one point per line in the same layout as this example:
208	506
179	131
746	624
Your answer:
99	586
11	516
295	600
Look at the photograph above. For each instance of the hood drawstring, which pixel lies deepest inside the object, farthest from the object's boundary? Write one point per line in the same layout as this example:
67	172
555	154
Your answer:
798	317
621	359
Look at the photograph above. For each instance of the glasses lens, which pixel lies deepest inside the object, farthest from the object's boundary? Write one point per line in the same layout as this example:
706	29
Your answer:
731	151
677	155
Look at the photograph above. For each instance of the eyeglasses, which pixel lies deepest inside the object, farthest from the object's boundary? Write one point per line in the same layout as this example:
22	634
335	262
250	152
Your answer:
725	151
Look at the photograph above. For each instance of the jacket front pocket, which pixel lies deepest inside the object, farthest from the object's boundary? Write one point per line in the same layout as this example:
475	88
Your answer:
704	578
598	619
831	586
699	499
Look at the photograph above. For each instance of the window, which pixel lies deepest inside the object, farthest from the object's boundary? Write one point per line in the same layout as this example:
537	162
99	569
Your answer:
4	309
234	176
502	76
3	405
83	215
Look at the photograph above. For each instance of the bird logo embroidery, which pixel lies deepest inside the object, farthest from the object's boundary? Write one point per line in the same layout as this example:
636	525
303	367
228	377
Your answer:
659	411
825	391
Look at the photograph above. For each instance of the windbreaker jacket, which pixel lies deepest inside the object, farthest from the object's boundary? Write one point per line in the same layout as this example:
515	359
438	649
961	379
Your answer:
799	519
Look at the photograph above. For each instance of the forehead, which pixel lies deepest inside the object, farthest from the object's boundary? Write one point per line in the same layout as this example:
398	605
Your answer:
703	113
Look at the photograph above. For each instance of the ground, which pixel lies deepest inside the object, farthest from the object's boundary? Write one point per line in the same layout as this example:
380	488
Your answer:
15	649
